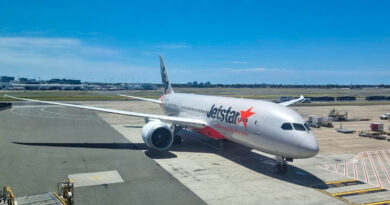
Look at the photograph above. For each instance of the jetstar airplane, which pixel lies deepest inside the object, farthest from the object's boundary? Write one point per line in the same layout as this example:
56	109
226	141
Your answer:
266	126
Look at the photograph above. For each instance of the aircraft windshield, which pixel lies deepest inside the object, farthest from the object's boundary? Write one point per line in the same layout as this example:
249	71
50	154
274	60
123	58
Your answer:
307	126
299	127
287	126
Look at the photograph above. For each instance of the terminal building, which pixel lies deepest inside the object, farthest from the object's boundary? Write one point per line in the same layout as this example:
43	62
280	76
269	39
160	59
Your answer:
5	82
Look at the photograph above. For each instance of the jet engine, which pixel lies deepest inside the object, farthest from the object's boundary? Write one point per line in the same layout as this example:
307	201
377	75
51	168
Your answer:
157	135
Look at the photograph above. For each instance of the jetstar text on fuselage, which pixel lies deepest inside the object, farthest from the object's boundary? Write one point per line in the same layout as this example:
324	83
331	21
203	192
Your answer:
228	115
224	115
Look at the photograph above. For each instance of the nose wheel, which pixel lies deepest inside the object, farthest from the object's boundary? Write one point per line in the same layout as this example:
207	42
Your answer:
280	166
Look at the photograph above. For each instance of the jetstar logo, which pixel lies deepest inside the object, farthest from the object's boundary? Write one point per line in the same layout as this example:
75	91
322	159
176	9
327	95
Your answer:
229	115
245	115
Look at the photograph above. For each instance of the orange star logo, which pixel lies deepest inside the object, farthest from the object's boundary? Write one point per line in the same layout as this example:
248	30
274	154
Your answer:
245	115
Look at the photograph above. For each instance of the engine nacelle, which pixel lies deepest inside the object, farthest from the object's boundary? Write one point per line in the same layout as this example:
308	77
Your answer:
157	135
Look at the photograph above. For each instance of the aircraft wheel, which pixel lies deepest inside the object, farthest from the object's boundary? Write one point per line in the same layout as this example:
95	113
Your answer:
284	168
280	168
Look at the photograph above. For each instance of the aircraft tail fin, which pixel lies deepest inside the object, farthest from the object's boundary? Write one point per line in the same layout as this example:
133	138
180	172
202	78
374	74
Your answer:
167	88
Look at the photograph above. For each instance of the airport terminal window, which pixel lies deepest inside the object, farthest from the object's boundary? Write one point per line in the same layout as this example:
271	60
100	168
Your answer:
287	126
299	127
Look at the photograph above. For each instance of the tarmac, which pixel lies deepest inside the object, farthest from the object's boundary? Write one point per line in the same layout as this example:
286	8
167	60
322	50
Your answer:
42	145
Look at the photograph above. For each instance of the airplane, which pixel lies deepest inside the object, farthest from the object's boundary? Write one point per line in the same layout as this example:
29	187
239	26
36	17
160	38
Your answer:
266	126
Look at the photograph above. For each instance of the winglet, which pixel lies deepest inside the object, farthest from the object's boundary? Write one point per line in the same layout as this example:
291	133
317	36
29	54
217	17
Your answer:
290	102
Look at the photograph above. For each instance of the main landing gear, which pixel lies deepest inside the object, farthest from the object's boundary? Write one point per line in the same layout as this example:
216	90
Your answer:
281	164
176	138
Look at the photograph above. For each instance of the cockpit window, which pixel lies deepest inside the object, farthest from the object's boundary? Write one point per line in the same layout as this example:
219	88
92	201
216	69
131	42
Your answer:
299	127
307	126
287	126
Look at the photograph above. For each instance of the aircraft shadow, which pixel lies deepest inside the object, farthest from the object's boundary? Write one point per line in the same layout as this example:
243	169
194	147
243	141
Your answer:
194	142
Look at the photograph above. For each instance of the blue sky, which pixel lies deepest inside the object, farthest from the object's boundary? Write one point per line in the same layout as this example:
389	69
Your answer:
290	42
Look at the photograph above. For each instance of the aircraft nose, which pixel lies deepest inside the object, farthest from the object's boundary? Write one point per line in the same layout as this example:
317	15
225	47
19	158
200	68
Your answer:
309	147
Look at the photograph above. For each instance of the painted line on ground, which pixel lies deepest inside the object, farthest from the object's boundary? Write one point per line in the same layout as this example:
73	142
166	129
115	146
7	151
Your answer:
383	167
364	167
385	154
379	203
356	176
59	113
360	192
339	198
375	170
345	170
13	111
340	181
343	183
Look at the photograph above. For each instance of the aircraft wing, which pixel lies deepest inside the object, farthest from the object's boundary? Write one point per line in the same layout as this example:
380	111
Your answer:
290	102
177	120
139	98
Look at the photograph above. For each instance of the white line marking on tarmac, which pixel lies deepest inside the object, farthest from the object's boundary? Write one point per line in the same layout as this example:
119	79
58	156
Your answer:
13	111
59	113
32	106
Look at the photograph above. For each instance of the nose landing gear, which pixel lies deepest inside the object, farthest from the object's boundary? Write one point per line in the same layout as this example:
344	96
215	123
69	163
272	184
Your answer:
281	164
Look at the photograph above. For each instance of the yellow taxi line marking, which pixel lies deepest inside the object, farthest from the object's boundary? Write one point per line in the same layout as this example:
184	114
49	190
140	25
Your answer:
339	198
357	191
341	181
378	203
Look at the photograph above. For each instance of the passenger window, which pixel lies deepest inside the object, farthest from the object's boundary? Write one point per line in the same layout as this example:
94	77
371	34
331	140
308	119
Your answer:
299	127
287	126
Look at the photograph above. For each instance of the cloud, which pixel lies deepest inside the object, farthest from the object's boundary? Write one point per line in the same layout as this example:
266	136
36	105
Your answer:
238	62
173	46
28	42
239	70
56	57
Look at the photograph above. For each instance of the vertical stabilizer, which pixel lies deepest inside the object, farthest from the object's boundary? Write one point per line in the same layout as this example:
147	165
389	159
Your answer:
166	85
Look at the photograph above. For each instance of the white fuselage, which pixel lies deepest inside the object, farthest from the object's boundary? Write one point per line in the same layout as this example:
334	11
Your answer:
253	123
